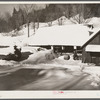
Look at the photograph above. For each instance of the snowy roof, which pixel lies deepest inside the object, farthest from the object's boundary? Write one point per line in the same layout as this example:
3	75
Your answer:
95	21
95	32
70	35
93	48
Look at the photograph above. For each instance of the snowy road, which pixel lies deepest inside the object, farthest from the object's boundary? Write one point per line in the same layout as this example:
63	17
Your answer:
48	73
46	79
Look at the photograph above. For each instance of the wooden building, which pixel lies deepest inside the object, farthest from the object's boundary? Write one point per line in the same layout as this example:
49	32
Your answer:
91	49
64	37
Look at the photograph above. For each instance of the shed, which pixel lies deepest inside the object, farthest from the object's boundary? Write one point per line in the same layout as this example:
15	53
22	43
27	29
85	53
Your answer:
91	49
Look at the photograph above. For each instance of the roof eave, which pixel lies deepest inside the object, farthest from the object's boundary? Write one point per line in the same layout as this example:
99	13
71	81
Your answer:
88	41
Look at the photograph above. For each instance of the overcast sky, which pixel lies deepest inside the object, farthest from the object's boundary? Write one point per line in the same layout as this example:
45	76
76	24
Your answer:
9	7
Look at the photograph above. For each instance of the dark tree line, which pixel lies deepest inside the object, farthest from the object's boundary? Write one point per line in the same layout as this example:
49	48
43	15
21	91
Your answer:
48	14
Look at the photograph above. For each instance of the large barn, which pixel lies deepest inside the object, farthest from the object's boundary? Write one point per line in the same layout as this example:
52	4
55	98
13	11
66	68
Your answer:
67	36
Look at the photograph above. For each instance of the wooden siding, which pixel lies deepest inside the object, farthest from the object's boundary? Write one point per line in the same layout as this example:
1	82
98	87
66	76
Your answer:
96	40
92	57
86	57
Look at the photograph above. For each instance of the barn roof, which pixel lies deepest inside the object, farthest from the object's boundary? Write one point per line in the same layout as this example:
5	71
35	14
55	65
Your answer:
93	48
95	33
70	35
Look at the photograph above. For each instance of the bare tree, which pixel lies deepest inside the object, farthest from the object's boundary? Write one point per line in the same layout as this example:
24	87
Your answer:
77	13
7	18
28	8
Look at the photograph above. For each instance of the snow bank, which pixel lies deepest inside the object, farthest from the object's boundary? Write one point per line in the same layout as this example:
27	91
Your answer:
93	70
40	57
4	62
5	51
62	20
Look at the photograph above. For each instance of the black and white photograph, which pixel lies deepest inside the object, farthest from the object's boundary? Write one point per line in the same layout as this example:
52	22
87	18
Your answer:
49	46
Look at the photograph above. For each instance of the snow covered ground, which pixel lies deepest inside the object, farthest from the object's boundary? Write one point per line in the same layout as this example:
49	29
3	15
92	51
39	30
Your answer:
45	67
43	70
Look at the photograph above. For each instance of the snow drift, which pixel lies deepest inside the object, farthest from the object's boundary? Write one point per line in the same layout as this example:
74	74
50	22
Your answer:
40	57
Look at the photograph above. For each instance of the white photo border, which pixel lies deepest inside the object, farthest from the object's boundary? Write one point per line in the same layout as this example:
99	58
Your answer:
49	94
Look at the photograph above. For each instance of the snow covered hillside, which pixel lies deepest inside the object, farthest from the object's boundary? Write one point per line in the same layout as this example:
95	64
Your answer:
21	37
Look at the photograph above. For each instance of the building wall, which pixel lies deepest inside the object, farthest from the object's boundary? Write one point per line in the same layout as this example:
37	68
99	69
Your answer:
66	49
92	57
86	57
96	40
